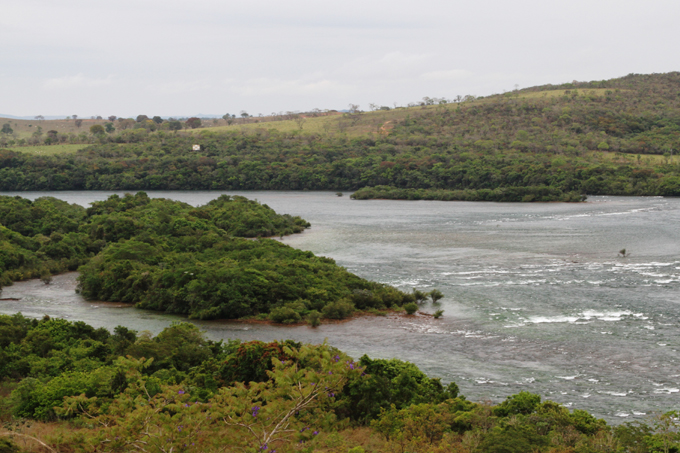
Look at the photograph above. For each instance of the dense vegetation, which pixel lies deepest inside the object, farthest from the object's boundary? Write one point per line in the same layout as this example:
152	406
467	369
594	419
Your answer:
80	389
166	255
503	194
611	137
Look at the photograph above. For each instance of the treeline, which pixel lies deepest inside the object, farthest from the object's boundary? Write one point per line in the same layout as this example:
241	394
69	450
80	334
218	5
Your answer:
169	256
504	194
271	160
80	389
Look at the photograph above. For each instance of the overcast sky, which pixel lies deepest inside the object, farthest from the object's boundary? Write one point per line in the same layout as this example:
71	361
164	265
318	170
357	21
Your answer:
172	57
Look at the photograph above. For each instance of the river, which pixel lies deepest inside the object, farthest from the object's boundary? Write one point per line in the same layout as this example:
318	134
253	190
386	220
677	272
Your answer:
536	297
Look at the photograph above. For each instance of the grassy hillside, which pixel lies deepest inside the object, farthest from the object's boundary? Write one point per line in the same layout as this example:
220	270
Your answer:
617	137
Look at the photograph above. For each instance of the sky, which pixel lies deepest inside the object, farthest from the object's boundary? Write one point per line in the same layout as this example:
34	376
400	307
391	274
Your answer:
181	58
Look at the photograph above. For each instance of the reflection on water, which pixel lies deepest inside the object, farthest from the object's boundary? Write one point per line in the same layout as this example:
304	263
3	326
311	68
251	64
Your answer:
536	297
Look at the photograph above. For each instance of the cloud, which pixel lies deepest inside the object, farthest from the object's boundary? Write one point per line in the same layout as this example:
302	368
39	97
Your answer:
76	81
453	74
268	86
180	86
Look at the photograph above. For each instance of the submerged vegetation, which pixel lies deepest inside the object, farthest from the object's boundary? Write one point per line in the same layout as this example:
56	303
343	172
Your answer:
74	388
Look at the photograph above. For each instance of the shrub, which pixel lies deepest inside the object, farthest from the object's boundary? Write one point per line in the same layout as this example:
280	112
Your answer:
46	277
438	314
339	309
435	295
314	318
521	403
363	299
392	297
411	308
7	446
420	296
284	315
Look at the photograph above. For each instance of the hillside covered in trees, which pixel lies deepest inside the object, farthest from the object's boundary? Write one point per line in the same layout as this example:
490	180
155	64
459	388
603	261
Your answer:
169	256
68	387
614	137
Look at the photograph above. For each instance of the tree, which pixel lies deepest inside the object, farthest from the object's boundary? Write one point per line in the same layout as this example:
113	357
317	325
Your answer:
6	129
420	296
79	123
157	119
52	137
141	118
40	118
109	127
411	308
435	295
174	125
75	117
300	121
112	118
97	129
193	122
291	402
125	123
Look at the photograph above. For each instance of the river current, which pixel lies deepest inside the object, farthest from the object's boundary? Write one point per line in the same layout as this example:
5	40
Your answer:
536	296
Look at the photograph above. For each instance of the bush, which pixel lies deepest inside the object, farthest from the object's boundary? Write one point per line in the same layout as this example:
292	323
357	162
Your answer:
363	299
339	309
438	314
314	318
522	403
420	296
411	308
284	315
46	278
7	446
435	295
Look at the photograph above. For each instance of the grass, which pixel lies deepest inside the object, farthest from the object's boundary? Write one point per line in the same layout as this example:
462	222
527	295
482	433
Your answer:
654	160
48	150
26	128
376	122
559	93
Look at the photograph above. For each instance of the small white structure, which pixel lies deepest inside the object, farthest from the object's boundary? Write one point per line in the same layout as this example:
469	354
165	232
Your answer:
196	147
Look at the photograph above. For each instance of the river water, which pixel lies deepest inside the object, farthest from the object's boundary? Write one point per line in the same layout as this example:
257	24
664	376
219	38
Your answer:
536	297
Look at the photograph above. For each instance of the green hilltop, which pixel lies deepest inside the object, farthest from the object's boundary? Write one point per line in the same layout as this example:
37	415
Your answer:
615	137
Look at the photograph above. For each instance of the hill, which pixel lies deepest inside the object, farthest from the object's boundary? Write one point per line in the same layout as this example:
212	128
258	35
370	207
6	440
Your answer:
613	137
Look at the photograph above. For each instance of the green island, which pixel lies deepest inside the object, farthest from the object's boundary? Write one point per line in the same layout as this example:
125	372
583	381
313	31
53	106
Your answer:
546	143
68	387
210	262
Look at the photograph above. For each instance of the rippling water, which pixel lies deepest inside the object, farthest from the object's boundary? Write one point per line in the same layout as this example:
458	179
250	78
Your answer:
536	297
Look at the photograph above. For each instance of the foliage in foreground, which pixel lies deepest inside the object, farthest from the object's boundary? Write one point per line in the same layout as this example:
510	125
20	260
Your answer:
178	391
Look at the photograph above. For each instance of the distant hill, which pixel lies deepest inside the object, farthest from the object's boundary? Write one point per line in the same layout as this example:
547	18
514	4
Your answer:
614	137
